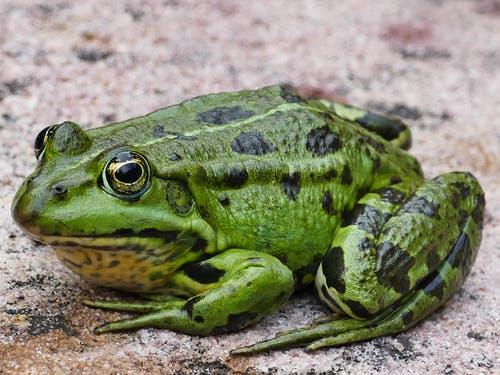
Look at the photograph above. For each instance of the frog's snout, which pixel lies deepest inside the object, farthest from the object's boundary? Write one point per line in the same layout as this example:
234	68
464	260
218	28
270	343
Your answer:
27	205
21	210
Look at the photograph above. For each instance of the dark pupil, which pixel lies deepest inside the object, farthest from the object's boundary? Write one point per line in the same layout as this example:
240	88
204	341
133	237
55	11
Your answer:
40	138
129	173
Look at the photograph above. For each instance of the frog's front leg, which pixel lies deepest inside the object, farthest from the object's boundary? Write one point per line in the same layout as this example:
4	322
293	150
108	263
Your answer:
399	257
236	288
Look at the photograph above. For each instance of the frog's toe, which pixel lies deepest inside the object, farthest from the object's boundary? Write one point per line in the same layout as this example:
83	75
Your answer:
154	314
124	324
160	318
327	318
302	336
140	307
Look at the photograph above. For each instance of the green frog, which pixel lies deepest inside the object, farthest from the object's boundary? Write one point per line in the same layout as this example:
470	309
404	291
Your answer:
217	209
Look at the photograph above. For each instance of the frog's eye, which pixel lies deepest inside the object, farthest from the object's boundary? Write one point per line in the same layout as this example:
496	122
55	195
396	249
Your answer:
41	141
126	175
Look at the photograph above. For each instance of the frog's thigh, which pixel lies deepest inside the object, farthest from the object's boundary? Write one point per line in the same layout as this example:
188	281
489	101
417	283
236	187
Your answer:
380	257
240	287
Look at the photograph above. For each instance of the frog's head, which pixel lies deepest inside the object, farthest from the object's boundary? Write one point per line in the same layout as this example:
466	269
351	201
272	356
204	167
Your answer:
98	203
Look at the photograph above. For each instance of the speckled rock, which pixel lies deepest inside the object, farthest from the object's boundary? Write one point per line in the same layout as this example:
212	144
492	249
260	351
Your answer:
434	63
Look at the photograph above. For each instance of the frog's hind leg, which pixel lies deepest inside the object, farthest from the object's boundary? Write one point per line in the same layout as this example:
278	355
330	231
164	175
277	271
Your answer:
399	257
431	293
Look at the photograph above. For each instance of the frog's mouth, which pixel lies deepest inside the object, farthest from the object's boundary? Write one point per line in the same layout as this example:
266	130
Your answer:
139	263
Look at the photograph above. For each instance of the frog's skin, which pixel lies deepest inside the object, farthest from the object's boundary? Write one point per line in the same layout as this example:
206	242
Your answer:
220	207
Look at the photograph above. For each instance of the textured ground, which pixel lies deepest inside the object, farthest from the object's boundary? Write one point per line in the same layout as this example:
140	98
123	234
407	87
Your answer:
436	63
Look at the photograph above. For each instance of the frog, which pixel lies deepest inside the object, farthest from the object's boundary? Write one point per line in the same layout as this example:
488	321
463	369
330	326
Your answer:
214	211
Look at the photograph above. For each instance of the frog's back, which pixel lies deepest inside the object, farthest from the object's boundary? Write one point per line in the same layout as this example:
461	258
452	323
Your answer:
269	170
197	116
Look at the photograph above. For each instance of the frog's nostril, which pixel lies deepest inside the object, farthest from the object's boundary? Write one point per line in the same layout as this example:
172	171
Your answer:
59	189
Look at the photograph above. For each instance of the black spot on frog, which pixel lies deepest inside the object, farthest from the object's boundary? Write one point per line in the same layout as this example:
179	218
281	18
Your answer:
322	141
290	184
174	156
224	200
223	115
235	177
159	132
333	268
203	273
327	203
346	177
252	143
367	218
391	195
420	205
434	285
393	265
290	96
